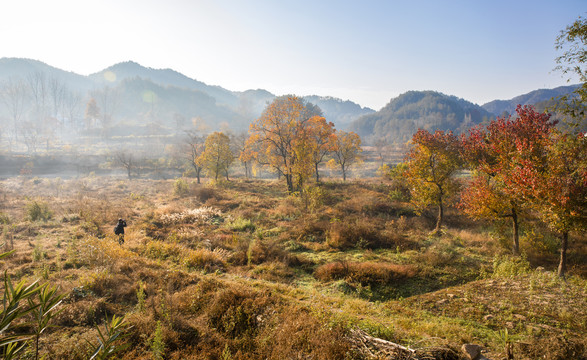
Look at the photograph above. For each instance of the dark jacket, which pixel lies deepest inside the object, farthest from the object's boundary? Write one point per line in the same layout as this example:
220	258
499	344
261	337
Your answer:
119	229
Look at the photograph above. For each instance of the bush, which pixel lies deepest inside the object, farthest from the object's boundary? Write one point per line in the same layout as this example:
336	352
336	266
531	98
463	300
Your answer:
240	224
236	312
160	250
181	187
38	210
358	234
202	259
300	334
510	266
365	273
204	193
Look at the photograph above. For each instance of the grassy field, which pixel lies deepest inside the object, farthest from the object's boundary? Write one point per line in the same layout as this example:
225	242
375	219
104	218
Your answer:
241	270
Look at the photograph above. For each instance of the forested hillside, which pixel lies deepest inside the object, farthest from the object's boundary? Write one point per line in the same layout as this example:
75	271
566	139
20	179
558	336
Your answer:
429	110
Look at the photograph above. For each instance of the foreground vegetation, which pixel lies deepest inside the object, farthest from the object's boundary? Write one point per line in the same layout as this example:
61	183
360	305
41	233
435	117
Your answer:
242	270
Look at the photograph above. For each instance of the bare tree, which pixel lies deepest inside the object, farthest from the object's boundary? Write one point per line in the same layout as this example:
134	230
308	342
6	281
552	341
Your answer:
38	88
124	159
238	145
381	147
108	100
72	106
13	94
57	93
31	136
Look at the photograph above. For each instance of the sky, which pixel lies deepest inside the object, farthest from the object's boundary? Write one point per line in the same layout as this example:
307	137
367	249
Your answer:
366	51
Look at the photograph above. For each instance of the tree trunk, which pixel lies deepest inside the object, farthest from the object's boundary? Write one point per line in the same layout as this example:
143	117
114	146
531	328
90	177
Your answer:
562	266
343	173
289	181
440	215
515	226
198	174
317	175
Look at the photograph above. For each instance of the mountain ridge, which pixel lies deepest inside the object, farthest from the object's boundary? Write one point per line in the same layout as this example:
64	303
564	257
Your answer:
397	121
498	107
248	105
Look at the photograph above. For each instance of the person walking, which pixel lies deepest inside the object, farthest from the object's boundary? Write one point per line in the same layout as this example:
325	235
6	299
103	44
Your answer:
119	230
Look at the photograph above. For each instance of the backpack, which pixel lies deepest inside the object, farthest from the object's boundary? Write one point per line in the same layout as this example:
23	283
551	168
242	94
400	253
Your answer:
118	230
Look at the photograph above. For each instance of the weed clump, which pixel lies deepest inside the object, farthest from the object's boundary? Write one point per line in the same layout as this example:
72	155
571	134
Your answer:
39	210
240	224
4	219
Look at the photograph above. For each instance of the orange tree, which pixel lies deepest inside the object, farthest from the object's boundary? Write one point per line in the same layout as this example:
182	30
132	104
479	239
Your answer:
217	155
346	151
431	166
280	139
493	154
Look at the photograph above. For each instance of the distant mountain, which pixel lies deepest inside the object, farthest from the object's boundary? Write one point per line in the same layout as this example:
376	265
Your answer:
24	69
405	114
498	107
164	77
249	103
339	111
134	95
144	101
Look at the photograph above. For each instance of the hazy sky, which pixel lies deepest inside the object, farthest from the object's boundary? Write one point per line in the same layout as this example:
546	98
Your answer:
365	51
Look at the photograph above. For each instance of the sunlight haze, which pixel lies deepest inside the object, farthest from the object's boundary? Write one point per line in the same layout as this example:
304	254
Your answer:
367	52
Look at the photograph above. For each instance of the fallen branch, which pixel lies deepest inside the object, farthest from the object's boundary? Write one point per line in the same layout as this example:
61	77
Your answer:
375	348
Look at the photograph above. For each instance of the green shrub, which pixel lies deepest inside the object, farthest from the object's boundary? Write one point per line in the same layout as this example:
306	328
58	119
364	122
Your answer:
240	224
38	210
181	187
542	243
510	266
4	219
38	253
157	344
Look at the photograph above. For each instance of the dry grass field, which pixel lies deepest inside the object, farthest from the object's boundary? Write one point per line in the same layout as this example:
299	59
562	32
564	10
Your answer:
241	270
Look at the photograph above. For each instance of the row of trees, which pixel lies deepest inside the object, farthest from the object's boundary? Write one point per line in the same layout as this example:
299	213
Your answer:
41	108
518	165
523	164
291	138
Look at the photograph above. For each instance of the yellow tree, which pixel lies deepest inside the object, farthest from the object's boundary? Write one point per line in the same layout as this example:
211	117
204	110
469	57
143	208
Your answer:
194	149
346	150
323	140
432	164
280	139
217	157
